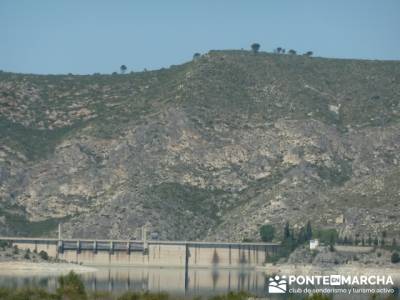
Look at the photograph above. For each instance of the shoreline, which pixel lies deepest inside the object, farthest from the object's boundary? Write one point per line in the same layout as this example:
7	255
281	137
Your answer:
12	268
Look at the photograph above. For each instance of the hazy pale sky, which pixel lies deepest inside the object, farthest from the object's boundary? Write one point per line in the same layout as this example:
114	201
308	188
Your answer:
49	36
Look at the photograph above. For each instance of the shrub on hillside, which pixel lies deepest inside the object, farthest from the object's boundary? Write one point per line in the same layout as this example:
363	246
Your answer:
43	255
232	296
27	254
4	244
395	258
255	47
71	287
326	236
318	297
267	233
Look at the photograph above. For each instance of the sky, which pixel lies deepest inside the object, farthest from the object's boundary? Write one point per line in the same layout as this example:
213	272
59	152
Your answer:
84	37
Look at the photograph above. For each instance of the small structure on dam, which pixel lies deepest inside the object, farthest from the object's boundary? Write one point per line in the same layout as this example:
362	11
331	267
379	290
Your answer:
150	253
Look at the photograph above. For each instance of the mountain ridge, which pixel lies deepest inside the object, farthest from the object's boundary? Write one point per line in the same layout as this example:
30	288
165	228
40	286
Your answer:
211	149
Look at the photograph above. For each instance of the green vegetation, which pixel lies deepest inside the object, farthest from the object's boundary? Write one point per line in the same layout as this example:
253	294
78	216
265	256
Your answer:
43	255
291	240
71	287
4	244
30	293
196	56
19	223
222	79
217	99
32	129
327	236
196	199
339	174
123	69
176	199
31	142
255	47
232	296
267	233
318	297
395	258
27	254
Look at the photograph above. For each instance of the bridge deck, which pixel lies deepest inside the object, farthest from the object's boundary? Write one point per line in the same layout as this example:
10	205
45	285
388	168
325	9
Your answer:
150	253
108	241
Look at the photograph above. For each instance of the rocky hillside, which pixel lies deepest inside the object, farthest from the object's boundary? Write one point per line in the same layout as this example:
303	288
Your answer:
210	149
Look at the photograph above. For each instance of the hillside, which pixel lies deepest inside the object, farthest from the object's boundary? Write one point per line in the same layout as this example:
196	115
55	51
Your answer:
210	149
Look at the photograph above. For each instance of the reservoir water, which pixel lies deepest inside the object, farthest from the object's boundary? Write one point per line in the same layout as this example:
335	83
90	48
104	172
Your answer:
171	280
201	282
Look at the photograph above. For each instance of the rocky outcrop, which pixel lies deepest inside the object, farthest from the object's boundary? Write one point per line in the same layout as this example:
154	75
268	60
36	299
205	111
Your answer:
207	150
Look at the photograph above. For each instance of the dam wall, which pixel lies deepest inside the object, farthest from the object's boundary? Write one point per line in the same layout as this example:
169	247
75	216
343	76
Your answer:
153	253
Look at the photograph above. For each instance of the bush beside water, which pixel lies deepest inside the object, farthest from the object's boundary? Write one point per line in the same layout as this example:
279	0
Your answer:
71	287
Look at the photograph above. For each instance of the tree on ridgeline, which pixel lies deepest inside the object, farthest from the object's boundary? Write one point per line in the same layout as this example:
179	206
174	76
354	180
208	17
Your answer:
196	56
255	47
123	69
292	52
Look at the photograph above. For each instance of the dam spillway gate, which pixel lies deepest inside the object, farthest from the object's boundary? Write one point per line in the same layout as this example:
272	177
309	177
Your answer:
152	252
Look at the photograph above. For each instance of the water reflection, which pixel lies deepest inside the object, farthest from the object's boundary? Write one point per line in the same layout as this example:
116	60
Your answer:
203	282
200	281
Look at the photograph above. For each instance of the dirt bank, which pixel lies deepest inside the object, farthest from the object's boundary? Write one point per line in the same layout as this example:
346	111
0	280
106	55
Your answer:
13	268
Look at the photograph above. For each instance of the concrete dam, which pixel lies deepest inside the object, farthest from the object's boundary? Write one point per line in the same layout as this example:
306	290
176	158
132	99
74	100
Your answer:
151	253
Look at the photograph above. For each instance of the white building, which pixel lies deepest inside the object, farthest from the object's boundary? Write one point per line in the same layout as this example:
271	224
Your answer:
314	244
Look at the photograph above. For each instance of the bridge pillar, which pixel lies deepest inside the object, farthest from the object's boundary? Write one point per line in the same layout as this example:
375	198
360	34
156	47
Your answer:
95	246
128	248
265	255
78	246
60	246
111	247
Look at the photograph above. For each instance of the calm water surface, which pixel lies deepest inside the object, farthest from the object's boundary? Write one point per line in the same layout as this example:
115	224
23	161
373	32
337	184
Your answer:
203	282
171	280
